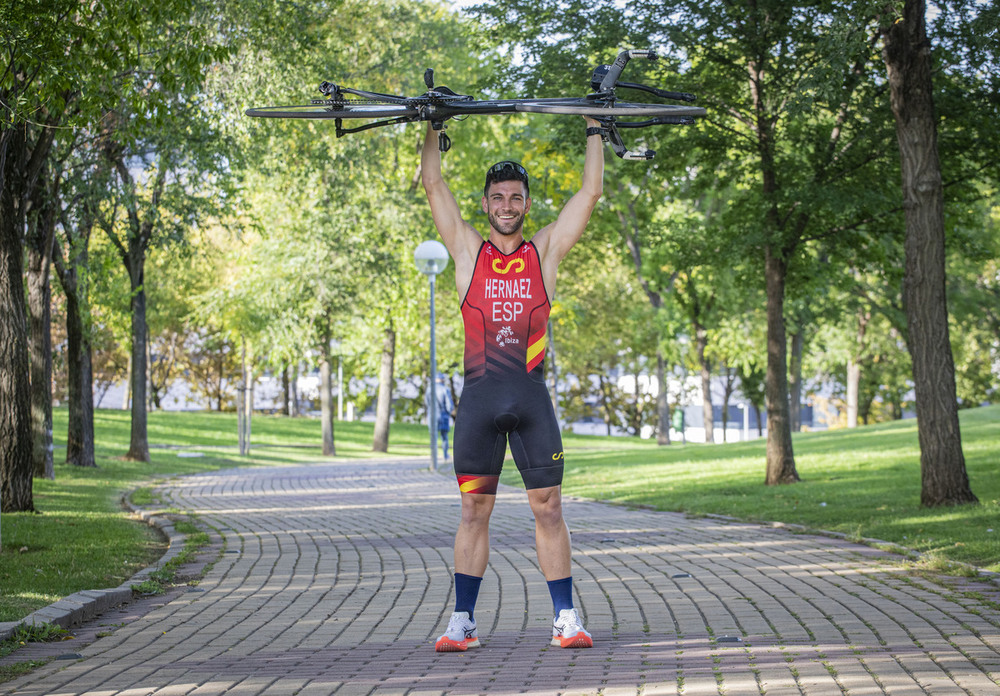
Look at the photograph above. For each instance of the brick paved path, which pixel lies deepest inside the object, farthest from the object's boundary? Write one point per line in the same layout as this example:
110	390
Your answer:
335	579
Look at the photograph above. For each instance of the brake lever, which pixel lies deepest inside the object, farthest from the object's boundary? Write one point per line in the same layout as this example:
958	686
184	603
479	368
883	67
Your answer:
614	139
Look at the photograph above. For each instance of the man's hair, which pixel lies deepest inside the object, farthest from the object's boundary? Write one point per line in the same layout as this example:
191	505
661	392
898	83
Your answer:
506	171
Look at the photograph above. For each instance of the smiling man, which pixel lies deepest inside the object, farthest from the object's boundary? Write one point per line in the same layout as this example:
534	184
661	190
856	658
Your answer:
507	285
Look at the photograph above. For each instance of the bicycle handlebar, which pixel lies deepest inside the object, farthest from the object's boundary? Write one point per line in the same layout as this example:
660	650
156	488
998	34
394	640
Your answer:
433	105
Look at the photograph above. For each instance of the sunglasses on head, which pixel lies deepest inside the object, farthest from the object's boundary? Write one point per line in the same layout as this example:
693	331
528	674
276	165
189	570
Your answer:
500	167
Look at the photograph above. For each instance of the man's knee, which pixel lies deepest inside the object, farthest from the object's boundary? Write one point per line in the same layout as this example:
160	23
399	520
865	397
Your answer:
477	508
546	504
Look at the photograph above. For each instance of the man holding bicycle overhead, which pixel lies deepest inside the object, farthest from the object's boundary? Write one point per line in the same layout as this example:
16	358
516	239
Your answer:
507	284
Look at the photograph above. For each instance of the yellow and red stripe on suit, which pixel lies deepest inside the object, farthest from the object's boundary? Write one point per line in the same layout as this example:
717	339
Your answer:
478	484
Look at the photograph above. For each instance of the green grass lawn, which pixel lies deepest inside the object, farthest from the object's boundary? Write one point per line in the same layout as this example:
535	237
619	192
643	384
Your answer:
864	483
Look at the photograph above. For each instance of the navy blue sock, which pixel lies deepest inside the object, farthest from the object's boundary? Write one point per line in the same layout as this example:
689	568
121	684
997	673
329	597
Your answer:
466	592
562	594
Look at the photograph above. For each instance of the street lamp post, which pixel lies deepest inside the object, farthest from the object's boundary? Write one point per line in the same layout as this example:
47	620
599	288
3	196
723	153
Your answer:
682	398
431	258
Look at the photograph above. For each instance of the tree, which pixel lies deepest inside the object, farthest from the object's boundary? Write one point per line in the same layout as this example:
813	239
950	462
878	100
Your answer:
40	238
974	301
738	344
907	56
163	106
792	98
132	244
33	91
657	281
607	339
71	256
790	131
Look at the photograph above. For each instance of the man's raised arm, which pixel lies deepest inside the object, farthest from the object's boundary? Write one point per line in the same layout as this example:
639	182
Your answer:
458	235
556	239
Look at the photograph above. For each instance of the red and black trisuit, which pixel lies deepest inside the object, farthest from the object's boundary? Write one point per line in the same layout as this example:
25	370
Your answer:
506	314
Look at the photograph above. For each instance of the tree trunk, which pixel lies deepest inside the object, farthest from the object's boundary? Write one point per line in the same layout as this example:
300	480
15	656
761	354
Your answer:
15	389
944	480
708	411
730	388
326	400
383	407
80	433
662	405
865	408
133	255
250	396
152	395
780	458
854	408
40	240
285	396
795	380
635	422
629	230
218	380
139	443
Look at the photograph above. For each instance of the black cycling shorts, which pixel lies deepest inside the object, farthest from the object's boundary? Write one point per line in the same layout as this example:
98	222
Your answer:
493	412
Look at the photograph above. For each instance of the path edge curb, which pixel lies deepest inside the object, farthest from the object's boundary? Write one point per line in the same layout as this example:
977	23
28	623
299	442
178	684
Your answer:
84	605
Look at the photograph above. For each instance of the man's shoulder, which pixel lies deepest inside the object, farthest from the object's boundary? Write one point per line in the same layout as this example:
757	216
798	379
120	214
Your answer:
540	241
470	249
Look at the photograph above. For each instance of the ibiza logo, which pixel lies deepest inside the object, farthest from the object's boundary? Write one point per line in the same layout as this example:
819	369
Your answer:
505	336
499	267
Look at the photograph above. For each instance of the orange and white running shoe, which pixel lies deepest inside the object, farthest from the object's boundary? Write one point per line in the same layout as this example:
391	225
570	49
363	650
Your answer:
460	636
568	631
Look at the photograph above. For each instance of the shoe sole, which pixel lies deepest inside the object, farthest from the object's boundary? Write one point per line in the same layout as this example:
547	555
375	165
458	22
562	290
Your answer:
580	640
445	644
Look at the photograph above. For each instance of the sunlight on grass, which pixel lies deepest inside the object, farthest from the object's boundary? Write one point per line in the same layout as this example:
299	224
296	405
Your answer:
864	483
35	597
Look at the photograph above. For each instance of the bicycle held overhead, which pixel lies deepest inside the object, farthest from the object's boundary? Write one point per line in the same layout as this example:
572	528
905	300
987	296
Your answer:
439	104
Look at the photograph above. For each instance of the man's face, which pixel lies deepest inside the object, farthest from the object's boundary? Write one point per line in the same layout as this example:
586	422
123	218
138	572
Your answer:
505	204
